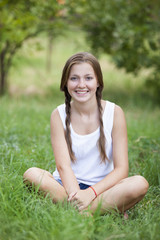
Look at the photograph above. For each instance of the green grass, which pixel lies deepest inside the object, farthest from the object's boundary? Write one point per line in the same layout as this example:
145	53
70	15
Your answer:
25	142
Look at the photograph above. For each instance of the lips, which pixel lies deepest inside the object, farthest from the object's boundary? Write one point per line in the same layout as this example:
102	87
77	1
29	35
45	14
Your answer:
81	91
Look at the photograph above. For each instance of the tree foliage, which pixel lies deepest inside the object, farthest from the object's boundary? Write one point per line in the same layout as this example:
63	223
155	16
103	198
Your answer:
20	20
128	30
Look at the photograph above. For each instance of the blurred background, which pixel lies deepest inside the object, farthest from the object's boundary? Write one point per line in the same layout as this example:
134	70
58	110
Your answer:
37	37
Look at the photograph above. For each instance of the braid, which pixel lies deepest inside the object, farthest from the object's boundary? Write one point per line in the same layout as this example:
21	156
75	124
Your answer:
102	139
68	120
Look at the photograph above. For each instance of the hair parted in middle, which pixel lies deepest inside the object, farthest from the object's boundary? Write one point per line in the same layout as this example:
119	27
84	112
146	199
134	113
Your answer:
83	57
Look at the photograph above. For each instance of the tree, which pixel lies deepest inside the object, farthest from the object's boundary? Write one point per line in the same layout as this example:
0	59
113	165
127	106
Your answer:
127	30
20	20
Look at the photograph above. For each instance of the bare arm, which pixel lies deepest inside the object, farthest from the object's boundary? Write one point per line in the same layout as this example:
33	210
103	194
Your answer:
61	154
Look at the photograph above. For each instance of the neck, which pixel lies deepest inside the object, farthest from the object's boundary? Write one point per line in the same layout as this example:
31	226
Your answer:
85	108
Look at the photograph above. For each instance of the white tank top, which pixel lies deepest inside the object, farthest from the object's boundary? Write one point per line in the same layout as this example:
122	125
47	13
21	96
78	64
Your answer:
88	168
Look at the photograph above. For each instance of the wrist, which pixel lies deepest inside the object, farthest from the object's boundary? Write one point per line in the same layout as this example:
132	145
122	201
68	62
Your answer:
94	193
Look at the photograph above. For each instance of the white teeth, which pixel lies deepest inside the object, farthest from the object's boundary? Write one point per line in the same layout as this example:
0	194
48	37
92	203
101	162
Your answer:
81	92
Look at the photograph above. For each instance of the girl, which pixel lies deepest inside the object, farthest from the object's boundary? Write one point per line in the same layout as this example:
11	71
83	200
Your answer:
89	140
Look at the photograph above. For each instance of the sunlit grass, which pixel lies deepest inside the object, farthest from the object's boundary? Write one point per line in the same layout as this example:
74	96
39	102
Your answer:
25	142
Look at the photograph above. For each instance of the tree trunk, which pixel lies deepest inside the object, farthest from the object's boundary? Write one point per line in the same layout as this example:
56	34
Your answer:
49	53
6	56
2	73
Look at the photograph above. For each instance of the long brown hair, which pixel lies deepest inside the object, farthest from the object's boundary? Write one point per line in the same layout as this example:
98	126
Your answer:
77	59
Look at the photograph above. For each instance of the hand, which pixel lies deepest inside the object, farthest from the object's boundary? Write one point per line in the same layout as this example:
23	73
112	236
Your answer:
82	198
71	195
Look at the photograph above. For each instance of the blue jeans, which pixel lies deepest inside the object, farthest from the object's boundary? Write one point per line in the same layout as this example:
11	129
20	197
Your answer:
81	185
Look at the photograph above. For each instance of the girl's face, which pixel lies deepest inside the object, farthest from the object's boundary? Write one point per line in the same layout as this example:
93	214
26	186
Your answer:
82	82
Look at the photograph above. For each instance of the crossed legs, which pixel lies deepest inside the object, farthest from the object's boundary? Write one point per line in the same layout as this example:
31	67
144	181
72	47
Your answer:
122	196
46	183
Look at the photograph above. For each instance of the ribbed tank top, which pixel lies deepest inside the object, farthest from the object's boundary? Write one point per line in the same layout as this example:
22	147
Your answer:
88	168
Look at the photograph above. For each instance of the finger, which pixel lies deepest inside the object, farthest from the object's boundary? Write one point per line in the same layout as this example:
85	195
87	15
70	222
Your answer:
74	200
74	203
81	208
71	196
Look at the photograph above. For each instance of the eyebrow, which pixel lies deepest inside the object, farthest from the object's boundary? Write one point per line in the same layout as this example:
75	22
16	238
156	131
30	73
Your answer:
84	75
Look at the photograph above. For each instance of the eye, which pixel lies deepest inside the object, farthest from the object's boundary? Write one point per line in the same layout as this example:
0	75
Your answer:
89	78
73	78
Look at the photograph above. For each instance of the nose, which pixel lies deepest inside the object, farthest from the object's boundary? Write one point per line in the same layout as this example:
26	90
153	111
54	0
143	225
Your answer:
81	83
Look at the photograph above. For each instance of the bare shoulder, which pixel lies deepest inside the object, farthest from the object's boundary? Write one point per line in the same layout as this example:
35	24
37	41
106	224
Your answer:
118	110
119	117
55	115
56	122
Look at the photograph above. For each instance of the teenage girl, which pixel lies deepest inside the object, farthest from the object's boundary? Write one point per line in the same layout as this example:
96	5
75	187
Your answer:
89	140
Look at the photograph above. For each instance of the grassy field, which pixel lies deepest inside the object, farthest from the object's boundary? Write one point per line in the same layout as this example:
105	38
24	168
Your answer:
25	142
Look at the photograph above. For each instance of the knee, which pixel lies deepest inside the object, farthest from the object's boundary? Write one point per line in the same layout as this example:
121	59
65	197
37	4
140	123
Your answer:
140	186
29	173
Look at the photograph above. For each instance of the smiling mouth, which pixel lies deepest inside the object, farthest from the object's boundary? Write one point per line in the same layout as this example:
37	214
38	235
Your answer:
81	92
